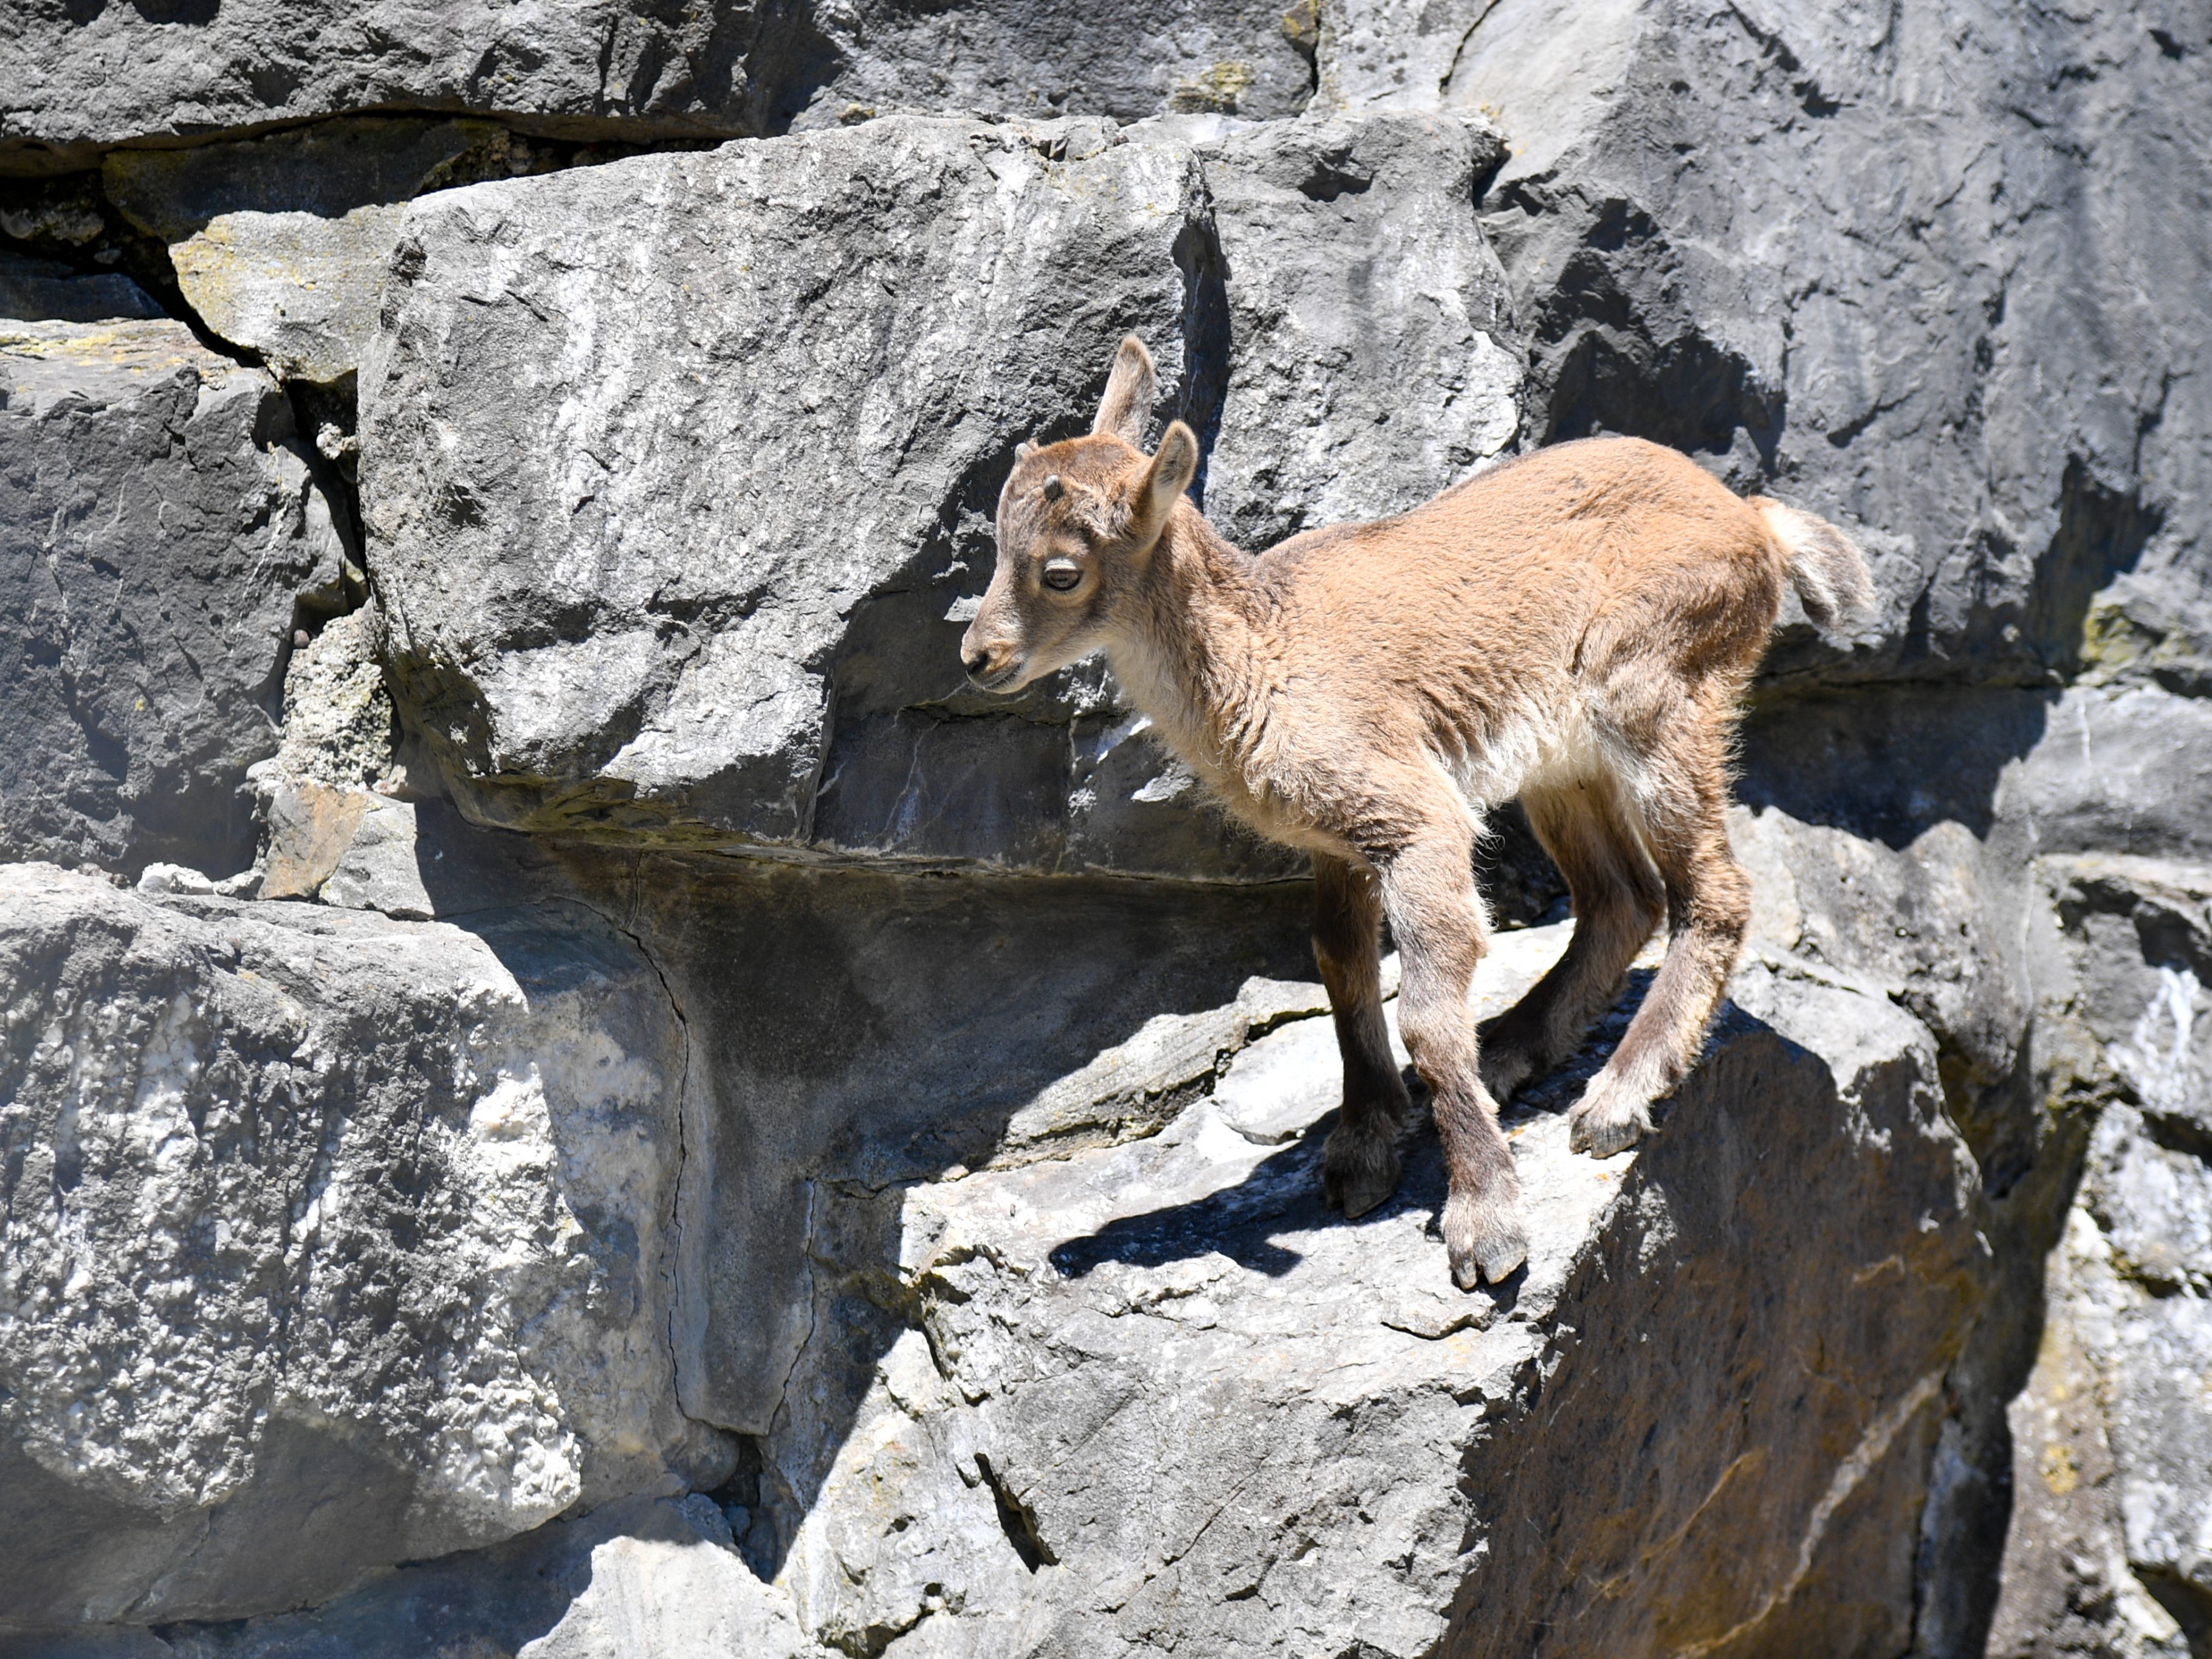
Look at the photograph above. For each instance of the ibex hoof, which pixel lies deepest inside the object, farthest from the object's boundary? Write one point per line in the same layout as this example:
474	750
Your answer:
1601	1124
1359	1168
1485	1238
1504	1068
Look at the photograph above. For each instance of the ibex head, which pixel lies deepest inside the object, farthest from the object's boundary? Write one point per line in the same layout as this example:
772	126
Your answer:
1078	521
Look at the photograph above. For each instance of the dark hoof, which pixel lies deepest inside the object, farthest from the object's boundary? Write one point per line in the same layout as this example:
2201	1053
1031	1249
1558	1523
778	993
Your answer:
1504	1069
1358	1170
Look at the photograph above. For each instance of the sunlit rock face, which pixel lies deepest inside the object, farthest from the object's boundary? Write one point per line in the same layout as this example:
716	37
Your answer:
581	1094
331	1241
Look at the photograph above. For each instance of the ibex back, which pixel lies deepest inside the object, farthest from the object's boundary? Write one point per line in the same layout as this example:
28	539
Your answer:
1574	628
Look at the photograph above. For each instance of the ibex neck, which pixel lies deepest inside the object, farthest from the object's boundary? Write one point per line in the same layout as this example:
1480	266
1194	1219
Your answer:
1185	654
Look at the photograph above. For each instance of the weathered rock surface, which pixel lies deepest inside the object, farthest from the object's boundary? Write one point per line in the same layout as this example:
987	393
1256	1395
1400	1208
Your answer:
330	1242
1360	289
1152	1390
858	1030
990	1249
158	530
1907	269
80	82
2108	1552
759	609
280	244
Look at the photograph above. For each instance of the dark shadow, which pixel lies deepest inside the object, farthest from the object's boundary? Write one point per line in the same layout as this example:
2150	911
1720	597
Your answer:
1887	762
191	13
489	1601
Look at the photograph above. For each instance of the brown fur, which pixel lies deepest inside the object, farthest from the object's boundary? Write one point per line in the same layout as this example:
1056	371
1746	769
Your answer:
1575	626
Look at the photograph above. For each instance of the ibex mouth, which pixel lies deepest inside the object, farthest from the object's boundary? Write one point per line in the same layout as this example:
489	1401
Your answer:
999	681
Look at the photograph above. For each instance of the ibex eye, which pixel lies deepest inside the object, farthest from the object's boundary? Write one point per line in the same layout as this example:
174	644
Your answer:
1061	577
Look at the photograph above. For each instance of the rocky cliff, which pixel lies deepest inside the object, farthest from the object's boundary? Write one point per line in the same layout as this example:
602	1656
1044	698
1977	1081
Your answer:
566	1089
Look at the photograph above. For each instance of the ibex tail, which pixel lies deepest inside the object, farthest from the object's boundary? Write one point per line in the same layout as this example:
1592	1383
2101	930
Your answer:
1826	566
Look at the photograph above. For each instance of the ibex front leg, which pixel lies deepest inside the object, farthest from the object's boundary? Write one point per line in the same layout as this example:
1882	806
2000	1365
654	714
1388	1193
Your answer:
1428	891
1360	1168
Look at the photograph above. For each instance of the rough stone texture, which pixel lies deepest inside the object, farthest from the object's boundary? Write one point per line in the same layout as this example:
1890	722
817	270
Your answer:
857	1030
1360	291
1160	1394
2112	1474
159	526
280	243
1925	269
1120	57
79	81
1152	1390
1908	266
330	1242
757	609
598	343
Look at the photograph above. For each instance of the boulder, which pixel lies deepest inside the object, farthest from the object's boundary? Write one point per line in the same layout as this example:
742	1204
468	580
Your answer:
694	569
1158	1393
1149	1391
280	243
1867	264
80	83
161	530
331	1241
2113	1435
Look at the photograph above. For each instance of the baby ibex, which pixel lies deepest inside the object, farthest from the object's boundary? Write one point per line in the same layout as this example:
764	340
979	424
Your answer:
1575	626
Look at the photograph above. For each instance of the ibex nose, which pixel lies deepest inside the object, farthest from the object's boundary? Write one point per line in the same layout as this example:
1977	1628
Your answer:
976	662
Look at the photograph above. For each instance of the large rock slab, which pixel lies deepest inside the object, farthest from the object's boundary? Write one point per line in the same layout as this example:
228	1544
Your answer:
1144	1391
160	529
1963	351
2112	1437
81	81
280	243
677	522
1159	1395
330	1242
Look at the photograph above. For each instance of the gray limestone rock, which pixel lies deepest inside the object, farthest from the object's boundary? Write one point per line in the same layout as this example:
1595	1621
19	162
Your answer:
159	528
80	81
280	243
1908	269
1117	58
2112	1437
1367	317
1155	1392
1149	1391
751	471
331	1241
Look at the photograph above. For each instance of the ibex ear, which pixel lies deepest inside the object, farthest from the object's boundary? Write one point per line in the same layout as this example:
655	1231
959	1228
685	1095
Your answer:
1163	481
1128	404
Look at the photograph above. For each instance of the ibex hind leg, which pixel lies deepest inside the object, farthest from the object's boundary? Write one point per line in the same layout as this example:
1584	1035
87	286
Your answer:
1708	911
1618	902
1361	1163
